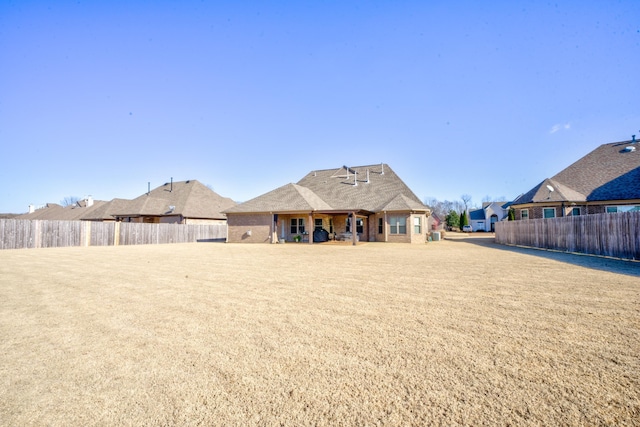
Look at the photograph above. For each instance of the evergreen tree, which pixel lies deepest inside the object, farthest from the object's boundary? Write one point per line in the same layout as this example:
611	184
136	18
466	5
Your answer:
463	219
452	219
512	214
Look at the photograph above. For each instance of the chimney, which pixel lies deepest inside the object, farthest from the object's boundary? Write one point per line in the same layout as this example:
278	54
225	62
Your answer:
170	190
32	209
355	178
89	200
633	139
148	187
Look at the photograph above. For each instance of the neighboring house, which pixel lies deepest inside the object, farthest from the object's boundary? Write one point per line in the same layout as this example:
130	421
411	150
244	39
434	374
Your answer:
371	201
605	180
107	211
56	212
435	223
485	218
184	202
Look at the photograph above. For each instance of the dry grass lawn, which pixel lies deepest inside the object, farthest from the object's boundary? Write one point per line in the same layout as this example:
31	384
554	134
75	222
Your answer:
457	332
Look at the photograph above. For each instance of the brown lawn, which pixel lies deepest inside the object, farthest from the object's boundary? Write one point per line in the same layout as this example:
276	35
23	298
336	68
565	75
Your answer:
457	332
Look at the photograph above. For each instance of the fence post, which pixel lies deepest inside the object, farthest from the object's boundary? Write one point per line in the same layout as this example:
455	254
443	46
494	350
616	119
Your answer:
116	234
87	233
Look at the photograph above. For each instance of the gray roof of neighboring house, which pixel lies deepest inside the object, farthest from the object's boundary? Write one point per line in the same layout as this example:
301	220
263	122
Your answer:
56	212
191	199
372	188
106	211
610	172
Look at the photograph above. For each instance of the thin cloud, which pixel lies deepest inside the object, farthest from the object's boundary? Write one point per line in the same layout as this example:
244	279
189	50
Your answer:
555	128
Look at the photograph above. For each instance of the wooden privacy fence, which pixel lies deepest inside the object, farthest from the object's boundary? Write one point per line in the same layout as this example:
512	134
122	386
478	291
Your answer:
615	235
19	234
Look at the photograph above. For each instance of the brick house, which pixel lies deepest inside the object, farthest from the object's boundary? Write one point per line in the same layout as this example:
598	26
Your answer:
364	203
183	202
605	180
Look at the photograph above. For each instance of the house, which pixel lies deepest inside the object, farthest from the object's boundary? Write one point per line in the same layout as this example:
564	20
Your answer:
435	223
184	202
72	212
366	203
485	218
605	180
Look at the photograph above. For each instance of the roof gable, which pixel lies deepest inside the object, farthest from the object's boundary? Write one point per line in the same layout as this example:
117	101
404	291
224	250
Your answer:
289	197
402	203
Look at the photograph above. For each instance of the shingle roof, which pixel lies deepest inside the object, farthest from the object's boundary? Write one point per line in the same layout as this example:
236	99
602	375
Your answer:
56	212
106	211
609	172
289	197
191	199
377	186
371	188
477	214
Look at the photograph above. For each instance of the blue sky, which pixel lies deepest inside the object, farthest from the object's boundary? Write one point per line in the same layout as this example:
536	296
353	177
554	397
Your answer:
478	98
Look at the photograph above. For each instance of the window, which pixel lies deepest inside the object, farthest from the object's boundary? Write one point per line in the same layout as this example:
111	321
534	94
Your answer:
575	212
549	212
380	225
359	225
317	224
524	213
297	225
398	225
416	225
623	208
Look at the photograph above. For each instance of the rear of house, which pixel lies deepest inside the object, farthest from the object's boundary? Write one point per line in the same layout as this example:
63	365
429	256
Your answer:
365	203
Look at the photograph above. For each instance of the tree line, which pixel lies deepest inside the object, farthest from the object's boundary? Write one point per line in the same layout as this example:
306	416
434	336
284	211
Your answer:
455	213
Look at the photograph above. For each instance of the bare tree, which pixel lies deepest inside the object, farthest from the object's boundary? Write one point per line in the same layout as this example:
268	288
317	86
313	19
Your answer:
488	199
69	200
442	208
466	199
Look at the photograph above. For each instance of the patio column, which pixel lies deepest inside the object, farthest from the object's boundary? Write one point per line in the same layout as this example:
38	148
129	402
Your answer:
311	227
354	228
274	228
386	238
